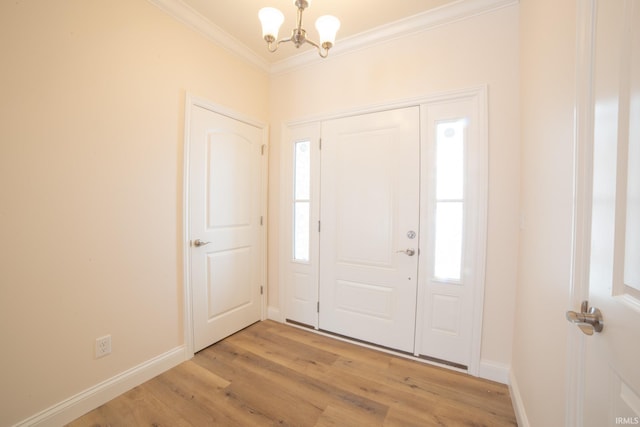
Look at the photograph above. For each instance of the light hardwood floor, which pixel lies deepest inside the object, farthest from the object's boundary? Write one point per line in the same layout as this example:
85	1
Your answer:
273	374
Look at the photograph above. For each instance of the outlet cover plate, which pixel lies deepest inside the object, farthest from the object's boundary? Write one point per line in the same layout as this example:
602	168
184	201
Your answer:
103	346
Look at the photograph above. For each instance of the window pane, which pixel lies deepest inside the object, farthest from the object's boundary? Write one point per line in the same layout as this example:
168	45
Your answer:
448	252
632	232
301	231
450	159
302	170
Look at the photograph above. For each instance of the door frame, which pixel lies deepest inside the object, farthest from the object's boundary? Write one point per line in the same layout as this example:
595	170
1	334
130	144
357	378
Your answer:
479	94
190	102
582	200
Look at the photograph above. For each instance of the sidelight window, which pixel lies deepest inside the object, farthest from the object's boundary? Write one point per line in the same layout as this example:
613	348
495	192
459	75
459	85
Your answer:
450	199
302	200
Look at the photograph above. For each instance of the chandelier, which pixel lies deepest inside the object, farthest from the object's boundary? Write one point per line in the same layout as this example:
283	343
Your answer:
271	19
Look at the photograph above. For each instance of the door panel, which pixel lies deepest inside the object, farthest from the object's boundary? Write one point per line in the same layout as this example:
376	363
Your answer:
231	176
369	194
444	314
229	281
225	193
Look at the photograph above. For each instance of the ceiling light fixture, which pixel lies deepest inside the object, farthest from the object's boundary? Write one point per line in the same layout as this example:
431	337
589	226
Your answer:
271	19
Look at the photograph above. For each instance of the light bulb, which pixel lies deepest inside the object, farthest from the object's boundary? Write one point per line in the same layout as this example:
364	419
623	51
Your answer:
327	27
271	19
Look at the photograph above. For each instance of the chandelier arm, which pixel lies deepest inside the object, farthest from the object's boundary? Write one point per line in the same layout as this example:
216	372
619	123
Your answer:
312	43
270	45
317	46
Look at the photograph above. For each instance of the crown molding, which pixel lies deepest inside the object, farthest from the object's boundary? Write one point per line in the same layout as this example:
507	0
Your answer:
461	9
449	13
196	21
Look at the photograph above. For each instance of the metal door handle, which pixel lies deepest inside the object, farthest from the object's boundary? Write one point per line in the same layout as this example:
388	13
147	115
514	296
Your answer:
197	243
589	320
409	252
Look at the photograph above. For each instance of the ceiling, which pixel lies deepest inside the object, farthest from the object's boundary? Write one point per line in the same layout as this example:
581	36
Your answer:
239	19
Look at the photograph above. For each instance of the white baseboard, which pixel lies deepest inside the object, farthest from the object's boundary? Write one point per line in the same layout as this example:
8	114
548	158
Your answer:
518	404
494	371
273	313
89	399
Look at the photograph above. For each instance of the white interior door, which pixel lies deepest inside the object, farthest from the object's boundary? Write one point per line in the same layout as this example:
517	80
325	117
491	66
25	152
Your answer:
612	374
369	215
225	225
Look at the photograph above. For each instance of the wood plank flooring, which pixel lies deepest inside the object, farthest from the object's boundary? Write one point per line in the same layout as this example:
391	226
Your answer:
273	374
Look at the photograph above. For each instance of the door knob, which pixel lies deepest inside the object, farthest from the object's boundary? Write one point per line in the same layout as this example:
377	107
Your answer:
410	252
197	243
589	320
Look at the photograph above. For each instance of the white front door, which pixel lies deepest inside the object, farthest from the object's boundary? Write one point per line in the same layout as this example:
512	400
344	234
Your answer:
225	225
612	357
369	215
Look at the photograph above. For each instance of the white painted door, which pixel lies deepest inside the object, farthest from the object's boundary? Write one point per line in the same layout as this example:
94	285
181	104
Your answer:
369	215
612	374
225	225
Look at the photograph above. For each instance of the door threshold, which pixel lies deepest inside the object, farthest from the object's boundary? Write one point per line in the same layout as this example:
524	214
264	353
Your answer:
444	362
300	324
389	350
366	343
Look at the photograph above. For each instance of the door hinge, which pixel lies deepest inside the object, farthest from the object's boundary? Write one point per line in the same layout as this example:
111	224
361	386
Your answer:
318	307
261	290
318	226
320	144
261	220
262	149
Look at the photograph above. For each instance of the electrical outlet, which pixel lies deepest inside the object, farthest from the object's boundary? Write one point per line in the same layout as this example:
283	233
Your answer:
103	346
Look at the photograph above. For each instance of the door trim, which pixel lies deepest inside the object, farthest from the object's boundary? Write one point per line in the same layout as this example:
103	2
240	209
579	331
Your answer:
582	200
190	102
479	93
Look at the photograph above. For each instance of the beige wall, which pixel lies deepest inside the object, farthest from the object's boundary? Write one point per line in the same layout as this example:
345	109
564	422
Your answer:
471	52
91	139
548	34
